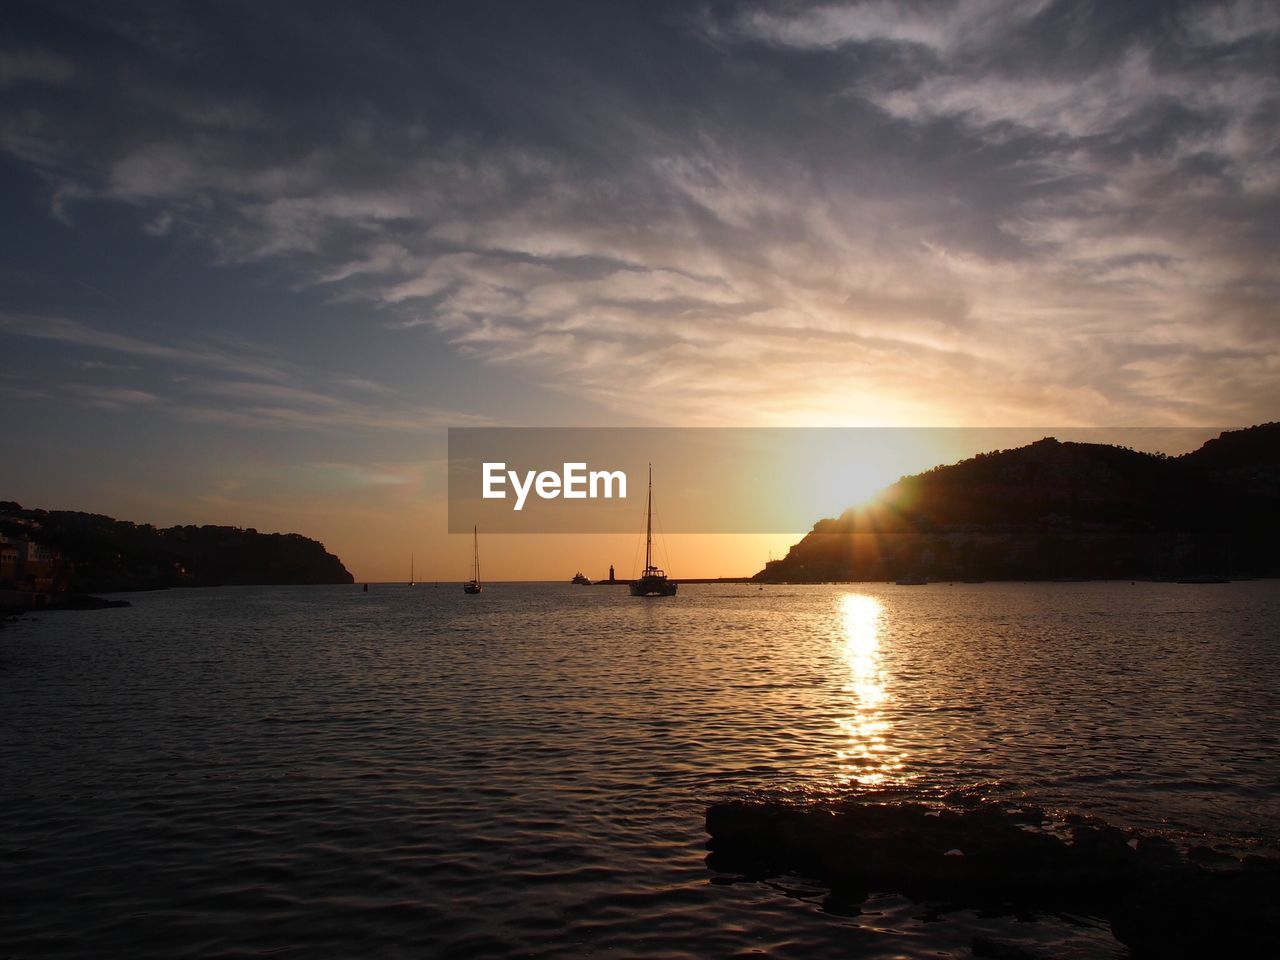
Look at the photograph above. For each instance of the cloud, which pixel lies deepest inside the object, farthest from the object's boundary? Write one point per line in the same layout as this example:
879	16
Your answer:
280	396
34	67
975	212
1227	23
941	27
110	398
80	334
277	406
103	365
339	478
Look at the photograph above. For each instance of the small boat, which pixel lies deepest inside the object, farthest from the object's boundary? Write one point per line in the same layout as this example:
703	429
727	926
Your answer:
581	579
653	582
412	582
473	585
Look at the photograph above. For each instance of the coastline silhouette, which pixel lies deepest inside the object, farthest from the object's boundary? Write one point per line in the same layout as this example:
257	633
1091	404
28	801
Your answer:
1061	511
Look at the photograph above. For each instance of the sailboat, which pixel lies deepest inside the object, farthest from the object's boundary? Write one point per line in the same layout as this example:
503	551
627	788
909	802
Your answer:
412	582
653	582
474	585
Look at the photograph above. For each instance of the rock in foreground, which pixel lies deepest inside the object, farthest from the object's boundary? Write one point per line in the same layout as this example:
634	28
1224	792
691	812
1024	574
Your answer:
1159	903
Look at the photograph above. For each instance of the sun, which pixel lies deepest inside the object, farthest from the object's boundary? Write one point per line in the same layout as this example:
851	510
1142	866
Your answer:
853	483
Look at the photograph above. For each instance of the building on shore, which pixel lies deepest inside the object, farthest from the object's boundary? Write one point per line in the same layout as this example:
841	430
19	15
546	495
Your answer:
30	567
8	561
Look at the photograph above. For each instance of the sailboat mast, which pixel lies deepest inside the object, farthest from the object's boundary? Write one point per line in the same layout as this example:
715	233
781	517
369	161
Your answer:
648	526
475	554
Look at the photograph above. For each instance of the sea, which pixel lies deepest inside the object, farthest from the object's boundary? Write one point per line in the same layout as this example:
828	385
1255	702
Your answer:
412	772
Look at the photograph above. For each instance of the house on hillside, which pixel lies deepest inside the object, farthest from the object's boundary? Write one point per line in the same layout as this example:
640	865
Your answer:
8	562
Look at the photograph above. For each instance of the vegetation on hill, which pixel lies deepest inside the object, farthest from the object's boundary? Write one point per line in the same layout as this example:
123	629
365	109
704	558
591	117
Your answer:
1062	510
102	554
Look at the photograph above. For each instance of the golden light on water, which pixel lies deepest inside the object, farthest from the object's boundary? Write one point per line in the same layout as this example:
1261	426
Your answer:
867	758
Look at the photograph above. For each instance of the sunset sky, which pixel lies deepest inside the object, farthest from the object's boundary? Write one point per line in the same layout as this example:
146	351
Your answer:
256	258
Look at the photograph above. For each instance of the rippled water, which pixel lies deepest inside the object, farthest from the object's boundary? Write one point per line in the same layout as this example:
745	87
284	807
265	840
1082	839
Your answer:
412	772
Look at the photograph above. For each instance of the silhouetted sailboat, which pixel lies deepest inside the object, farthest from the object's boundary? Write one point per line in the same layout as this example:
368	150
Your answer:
412	582
653	582
474	585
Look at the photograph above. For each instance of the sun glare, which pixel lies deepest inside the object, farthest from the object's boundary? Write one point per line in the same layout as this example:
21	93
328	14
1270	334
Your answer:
872	460
866	758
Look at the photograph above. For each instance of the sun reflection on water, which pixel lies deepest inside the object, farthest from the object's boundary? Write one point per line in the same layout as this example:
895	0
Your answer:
867	757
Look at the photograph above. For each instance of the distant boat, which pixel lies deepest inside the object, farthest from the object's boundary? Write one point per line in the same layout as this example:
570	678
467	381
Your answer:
412	582
474	585
653	582
581	579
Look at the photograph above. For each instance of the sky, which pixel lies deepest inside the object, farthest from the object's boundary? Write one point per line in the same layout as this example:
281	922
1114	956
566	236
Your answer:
257	258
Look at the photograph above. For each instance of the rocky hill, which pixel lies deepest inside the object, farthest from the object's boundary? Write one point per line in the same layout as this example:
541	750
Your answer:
1054	510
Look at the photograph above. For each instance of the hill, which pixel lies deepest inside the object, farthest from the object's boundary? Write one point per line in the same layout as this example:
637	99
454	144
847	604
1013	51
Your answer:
1053	510
94	553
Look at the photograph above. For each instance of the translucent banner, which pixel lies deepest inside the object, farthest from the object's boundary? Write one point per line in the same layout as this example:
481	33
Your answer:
740	480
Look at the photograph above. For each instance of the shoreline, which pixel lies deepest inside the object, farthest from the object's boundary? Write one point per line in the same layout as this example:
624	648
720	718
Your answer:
16	602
